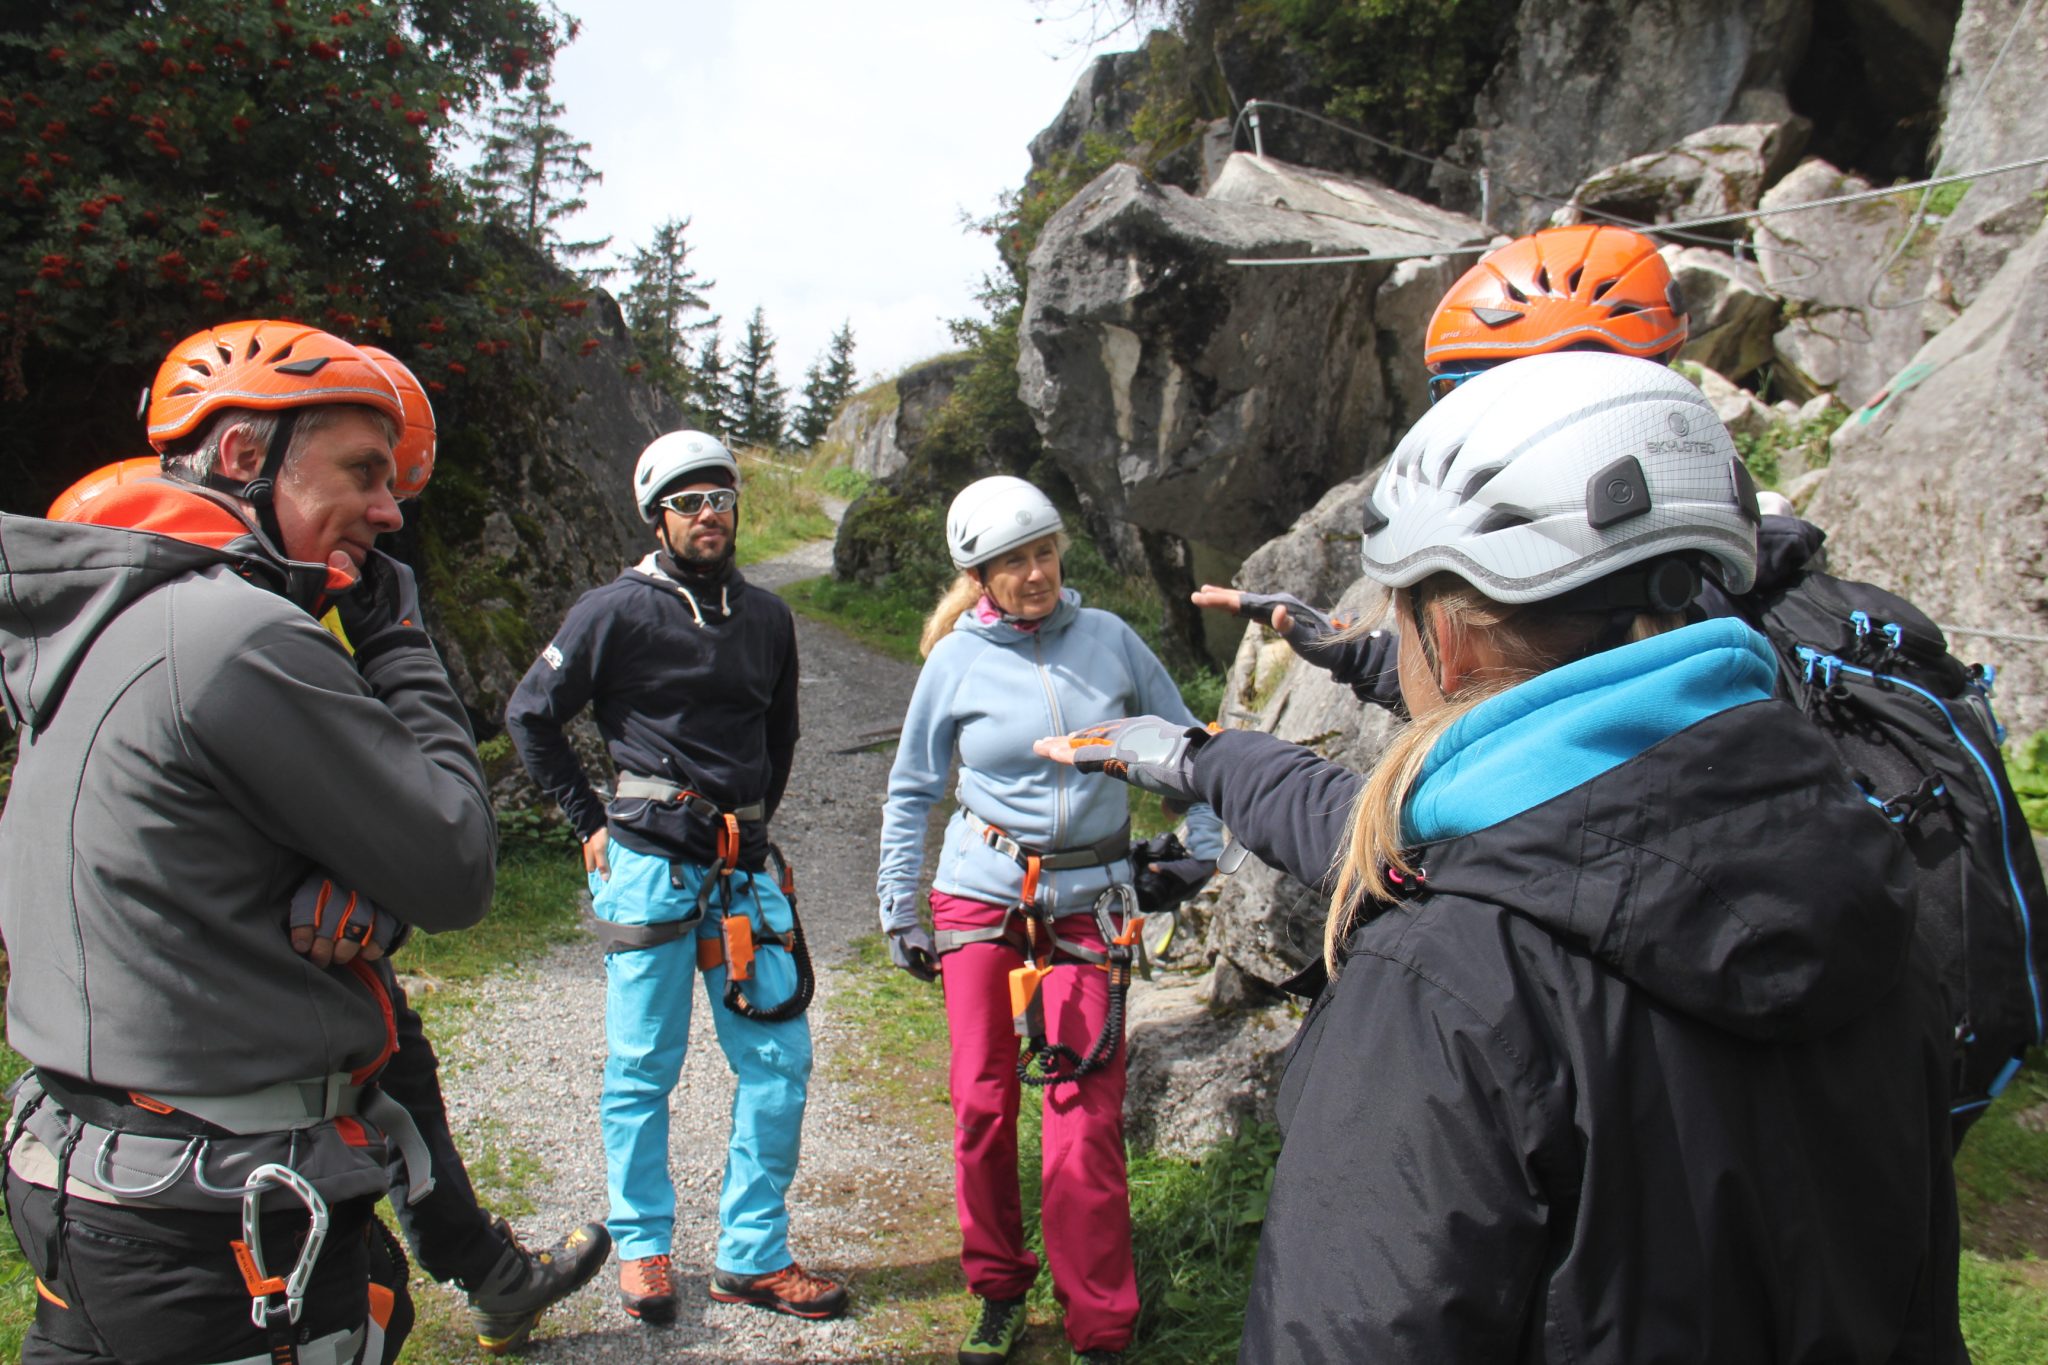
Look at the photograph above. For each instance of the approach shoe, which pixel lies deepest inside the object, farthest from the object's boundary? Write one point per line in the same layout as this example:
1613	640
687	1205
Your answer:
647	1288
791	1290
1000	1324
523	1284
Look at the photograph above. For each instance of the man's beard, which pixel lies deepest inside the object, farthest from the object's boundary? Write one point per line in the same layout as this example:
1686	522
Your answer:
692	558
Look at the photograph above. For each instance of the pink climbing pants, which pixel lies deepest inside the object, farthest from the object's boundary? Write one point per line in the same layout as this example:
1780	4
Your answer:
1085	1202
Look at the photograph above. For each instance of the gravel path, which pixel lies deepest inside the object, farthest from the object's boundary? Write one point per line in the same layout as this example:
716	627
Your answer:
525	1073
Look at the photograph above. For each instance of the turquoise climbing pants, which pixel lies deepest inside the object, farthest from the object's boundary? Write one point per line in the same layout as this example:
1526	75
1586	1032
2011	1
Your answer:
648	995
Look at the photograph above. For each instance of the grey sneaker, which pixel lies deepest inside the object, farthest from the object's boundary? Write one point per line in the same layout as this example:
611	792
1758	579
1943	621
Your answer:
521	1286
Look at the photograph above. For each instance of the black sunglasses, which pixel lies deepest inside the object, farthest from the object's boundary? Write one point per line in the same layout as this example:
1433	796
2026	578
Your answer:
690	504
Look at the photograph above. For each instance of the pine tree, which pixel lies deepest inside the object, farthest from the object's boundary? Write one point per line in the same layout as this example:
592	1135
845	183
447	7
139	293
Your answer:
534	174
827	385
665	291
760	402
709	403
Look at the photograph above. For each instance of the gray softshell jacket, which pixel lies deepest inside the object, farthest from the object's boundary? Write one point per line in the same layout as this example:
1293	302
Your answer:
192	746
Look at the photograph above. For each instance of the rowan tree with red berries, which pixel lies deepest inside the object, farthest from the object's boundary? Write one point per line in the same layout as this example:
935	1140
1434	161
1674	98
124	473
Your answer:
166	165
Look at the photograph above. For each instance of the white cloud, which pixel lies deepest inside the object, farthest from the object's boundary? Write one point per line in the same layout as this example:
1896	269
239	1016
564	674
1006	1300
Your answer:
824	151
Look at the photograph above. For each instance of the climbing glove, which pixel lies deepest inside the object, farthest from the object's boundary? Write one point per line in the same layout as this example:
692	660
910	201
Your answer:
1164	873
1148	752
330	923
912	950
382	611
1308	630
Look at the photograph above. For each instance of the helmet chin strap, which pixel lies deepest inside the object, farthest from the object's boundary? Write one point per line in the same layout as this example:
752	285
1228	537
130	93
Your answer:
261	492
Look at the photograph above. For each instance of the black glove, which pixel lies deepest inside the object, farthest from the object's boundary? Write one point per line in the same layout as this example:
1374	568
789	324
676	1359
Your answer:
1305	624
382	611
1165	875
912	950
1145	751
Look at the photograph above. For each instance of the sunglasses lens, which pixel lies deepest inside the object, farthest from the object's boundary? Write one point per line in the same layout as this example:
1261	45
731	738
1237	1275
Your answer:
690	504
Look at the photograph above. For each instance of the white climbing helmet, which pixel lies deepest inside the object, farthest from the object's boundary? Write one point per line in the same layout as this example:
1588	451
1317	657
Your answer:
996	514
1548	473
670	457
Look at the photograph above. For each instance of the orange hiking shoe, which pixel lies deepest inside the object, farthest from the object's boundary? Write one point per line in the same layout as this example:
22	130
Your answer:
791	1290
647	1288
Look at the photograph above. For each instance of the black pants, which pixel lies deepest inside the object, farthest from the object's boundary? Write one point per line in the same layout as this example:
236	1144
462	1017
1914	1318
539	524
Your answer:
452	1238
128	1286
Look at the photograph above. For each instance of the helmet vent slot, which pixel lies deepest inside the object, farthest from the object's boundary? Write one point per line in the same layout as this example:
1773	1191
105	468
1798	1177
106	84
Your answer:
1477	482
1543	279
1571	284
202	367
1502	520
1517	295
1600	289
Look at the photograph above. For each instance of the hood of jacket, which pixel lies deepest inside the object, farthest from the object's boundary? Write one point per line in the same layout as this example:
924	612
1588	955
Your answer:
1005	632
62	581
1655	808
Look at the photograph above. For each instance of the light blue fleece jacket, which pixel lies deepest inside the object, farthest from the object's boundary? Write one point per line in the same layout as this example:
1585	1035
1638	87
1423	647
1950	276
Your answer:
987	691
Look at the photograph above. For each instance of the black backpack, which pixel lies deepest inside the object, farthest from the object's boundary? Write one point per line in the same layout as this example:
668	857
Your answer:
1915	729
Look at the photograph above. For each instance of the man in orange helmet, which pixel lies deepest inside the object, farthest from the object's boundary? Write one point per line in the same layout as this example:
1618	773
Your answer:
193	1159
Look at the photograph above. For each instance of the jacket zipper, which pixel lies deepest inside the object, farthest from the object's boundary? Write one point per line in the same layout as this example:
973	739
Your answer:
1059	727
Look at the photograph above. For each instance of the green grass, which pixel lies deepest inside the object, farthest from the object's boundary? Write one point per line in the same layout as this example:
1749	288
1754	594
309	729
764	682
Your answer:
779	508
886	621
2004	1310
1765	452
2026	764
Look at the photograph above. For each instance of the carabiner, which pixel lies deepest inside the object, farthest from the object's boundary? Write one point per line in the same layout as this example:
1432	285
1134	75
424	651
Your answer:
262	1285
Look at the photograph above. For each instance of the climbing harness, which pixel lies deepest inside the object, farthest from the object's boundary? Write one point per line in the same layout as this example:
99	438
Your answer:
1043	1063
738	941
734	947
1027	927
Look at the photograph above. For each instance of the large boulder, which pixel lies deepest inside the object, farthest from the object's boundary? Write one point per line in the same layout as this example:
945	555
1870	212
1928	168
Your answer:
1196	1073
1100	107
1732	316
1210	402
879	428
1990	116
1265	926
1590	85
1852	285
1939	491
1715	171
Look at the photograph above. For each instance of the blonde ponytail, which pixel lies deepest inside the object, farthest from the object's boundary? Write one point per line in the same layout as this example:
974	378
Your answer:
960	595
1531	640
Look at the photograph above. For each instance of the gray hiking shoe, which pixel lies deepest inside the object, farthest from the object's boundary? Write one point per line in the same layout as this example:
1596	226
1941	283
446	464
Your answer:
522	1285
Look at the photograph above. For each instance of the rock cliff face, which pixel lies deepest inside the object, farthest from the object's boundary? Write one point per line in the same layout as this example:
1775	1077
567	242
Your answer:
1234	410
1188	397
531	505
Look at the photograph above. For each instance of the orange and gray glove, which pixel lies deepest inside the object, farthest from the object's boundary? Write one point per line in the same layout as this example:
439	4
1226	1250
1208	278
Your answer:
332	924
912	950
1148	752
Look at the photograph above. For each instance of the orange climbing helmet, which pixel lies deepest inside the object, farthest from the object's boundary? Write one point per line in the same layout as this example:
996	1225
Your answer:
415	452
71	502
264	366
1593	286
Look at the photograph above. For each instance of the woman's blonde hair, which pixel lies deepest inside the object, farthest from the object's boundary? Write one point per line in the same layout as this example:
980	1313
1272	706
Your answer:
1531	639
962	593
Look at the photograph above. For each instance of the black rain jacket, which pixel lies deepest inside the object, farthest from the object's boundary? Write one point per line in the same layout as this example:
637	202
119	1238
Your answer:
1650	1072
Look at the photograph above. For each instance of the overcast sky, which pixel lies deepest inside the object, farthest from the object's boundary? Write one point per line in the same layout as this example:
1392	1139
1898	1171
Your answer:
824	151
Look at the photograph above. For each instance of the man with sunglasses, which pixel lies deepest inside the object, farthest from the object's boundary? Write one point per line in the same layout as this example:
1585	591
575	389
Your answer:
691	675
